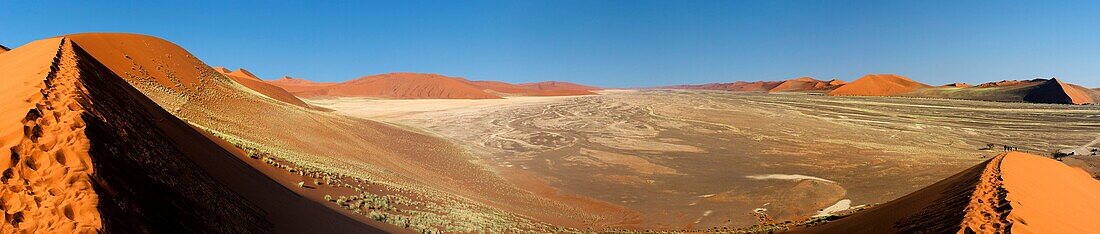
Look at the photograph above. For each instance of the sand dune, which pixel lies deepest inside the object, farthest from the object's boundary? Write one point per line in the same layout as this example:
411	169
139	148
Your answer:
740	86
507	89
806	84
878	85
246	78
1035	91
957	85
4	49
87	129
402	86
558	85
1012	192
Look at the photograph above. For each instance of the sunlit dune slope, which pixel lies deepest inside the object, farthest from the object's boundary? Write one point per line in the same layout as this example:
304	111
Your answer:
403	86
1012	192
740	86
879	85
443	180
252	82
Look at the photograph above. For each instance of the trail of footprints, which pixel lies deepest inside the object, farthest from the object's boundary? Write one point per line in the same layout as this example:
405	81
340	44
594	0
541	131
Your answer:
46	182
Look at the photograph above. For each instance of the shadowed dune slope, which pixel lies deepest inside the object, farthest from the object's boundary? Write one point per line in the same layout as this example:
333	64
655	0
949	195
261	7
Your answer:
879	85
4	49
152	171
507	89
1015	192
1055	91
252	82
403	86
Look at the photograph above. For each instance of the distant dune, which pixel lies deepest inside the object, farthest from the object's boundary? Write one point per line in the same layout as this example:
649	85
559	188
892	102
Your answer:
297	85
878	85
740	86
1037	91
806	84
246	78
1013	192
404	85
957	85
558	85
507	89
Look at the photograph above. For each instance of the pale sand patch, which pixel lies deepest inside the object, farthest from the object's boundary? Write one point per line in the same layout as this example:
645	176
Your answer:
637	144
635	163
787	177
841	205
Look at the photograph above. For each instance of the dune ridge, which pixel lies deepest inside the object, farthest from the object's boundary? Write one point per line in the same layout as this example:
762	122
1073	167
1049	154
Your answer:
4	49
507	89
1011	192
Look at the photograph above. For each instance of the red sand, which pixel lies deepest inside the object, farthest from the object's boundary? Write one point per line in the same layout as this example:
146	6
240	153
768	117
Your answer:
879	85
740	86
806	84
1014	192
246	78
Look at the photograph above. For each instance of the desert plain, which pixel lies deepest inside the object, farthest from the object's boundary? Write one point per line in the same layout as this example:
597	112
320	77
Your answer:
688	159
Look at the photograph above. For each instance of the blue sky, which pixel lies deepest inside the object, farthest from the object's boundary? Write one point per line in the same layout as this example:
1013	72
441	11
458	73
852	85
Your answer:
606	43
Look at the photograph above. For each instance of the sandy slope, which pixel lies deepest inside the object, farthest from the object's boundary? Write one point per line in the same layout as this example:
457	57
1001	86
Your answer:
296	85
740	86
1015	192
4	49
878	85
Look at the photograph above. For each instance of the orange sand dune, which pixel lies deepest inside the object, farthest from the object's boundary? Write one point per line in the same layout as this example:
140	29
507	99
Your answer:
558	85
1007	83
4	49
878	85
806	84
1013	192
86	129
516	90
246	78
403	86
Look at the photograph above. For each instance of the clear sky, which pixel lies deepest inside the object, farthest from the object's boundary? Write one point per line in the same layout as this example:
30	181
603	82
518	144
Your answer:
606	43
